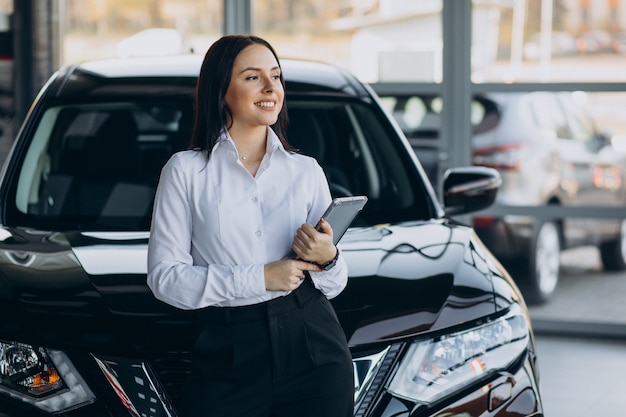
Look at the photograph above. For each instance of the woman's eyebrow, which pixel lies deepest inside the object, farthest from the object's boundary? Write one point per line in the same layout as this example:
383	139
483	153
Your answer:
258	69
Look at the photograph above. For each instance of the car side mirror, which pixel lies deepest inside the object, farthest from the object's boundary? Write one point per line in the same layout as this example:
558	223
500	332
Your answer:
619	143
469	189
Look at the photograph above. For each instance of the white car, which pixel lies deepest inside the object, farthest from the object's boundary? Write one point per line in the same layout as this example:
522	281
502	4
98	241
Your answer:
548	152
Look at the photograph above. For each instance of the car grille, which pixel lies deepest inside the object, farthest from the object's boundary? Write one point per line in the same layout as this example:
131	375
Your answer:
370	374
151	389
138	387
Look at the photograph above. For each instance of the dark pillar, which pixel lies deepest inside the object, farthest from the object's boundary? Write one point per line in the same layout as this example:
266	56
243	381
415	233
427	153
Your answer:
23	59
6	82
36	48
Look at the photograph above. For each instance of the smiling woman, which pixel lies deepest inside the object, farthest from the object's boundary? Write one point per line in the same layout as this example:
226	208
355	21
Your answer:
235	217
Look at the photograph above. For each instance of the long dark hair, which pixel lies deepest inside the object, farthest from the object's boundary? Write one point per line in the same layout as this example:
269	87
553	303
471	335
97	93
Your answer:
210	111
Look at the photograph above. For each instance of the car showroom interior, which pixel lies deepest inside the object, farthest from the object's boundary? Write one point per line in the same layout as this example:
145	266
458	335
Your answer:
486	272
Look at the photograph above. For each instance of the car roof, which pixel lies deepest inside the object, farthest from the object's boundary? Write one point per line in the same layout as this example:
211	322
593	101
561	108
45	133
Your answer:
300	75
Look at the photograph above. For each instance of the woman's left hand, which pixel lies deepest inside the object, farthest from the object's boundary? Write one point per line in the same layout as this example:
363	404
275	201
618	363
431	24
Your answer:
313	245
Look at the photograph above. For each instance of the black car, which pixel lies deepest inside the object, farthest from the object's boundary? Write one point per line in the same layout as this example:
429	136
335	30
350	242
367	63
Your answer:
435	325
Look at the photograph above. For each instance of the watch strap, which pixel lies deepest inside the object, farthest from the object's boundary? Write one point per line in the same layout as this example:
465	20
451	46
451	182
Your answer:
331	263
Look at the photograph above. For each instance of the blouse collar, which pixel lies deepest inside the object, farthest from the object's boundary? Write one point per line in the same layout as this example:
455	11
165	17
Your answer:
273	142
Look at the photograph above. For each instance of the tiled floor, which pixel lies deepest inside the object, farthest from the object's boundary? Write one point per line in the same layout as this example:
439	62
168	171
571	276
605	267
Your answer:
581	340
585	295
582	377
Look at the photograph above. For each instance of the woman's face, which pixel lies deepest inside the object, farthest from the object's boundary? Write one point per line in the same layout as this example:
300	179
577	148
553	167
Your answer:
255	94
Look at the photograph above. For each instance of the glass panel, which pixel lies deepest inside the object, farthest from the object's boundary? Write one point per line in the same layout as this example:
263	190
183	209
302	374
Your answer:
95	29
608	111
581	124
378	40
548	41
548	114
359	155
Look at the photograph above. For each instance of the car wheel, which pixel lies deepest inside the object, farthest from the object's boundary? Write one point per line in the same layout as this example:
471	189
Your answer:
613	253
544	263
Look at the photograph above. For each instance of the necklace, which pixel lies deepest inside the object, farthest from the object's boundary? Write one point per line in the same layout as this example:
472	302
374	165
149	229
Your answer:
246	158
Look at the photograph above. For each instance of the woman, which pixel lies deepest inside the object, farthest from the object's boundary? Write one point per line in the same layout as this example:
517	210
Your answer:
227	214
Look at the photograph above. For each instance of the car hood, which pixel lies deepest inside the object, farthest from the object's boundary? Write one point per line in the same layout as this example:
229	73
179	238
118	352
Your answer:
89	289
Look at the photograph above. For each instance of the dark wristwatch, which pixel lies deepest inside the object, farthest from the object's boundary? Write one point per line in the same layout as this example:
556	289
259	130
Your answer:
331	263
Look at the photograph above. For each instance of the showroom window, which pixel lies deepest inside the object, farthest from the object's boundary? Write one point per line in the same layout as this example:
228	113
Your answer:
378	40
119	28
549	41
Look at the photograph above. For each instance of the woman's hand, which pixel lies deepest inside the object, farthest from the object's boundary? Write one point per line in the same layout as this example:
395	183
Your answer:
313	245
286	275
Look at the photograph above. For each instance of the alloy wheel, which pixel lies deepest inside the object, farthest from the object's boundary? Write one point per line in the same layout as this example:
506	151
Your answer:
545	262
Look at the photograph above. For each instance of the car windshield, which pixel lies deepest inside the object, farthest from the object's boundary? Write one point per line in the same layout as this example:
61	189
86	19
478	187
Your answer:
95	166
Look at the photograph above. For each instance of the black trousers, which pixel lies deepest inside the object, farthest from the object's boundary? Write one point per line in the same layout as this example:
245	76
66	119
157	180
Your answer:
287	357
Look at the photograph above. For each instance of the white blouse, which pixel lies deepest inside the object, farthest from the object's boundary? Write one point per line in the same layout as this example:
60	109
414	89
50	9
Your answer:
215	226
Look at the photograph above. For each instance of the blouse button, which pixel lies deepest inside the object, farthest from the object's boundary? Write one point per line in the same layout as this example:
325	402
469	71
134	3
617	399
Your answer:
253	199
258	233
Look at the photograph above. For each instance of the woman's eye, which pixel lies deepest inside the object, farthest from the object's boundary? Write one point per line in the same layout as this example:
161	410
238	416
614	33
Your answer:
252	77
276	77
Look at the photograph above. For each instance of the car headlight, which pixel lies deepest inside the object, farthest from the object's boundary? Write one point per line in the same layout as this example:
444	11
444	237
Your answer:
42	377
435	368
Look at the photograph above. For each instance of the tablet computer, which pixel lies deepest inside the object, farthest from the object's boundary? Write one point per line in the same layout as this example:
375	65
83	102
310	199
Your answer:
341	213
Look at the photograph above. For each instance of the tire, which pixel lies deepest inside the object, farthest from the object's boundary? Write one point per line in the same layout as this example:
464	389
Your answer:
613	254
544	263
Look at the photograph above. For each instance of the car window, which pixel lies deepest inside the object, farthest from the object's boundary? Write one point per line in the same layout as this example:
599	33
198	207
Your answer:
408	111
96	165
360	156
580	123
419	116
548	114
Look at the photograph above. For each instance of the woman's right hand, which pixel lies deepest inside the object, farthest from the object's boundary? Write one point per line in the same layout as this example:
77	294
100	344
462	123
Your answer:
286	275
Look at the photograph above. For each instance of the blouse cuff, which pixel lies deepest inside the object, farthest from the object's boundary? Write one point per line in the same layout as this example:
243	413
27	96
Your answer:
332	282
249	280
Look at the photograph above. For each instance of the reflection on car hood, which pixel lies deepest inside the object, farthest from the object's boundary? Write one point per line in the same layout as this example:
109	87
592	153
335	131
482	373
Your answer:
89	288
412	278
